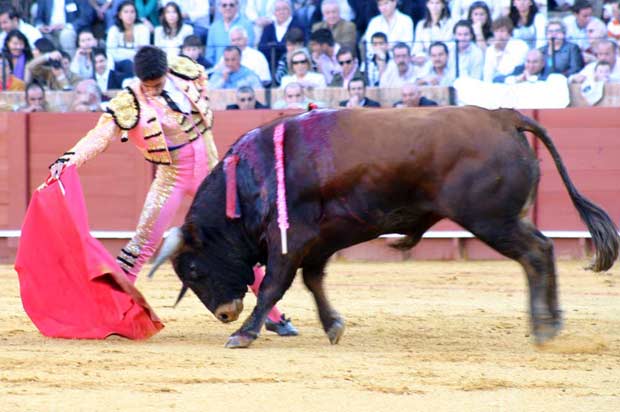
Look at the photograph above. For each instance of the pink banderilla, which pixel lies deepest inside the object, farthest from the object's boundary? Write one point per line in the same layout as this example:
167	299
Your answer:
278	147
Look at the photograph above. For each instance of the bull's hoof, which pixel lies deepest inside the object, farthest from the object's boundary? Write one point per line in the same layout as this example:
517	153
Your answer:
546	332
334	333
239	341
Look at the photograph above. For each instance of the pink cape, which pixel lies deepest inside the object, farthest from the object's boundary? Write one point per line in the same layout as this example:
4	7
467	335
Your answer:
71	287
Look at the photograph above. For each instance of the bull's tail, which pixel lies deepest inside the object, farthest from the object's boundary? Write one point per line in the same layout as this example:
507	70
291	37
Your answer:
603	230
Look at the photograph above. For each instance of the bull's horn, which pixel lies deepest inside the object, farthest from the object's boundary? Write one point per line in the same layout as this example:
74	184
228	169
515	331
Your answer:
181	294
173	243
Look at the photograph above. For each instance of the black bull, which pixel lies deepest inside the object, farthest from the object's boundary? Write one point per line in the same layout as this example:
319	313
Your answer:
352	175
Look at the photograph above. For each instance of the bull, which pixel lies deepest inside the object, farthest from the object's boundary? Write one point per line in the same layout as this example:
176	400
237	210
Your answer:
353	175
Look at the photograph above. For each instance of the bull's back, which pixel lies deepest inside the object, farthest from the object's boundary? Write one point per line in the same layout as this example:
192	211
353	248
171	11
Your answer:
402	148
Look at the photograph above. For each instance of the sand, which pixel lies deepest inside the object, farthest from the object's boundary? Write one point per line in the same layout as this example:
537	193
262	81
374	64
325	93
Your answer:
421	336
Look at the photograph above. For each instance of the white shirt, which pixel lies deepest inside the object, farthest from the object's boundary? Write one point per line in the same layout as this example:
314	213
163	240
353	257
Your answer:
312	79
172	45
102	80
391	78
424	36
399	29
178	96
253	60
197	10
116	47
504	62
58	12
471	61
259	8
282	28
31	33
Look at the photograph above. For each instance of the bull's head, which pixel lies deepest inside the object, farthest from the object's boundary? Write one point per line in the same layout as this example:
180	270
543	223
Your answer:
220	280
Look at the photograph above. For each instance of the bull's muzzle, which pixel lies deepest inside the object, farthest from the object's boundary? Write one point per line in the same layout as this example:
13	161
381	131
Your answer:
229	312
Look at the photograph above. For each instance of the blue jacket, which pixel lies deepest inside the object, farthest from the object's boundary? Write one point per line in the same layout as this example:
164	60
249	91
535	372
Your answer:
77	12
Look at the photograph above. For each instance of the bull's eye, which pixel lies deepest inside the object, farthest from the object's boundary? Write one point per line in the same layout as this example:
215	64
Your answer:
193	273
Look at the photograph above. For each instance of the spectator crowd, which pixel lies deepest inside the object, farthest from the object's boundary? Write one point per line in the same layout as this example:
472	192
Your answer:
87	46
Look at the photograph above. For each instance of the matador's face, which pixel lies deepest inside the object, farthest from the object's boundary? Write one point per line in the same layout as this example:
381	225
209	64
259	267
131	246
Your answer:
153	87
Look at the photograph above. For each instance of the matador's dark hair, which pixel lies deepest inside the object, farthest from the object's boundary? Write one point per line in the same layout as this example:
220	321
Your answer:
150	63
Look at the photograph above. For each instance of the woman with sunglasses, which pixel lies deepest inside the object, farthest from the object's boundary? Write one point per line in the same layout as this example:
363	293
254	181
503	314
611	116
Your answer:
169	36
300	71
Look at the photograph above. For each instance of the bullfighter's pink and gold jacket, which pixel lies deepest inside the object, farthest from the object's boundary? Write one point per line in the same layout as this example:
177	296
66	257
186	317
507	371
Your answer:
130	117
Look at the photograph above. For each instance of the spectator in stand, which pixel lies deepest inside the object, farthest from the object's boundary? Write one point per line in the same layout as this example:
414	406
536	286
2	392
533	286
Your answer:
300	72
471	58
606	51
529	24
16	50
126	36
294	97
8	82
505	53
272	41
436	26
170	34
377	61
146	10
480	18
260	13
596	31
197	13
343	31
560	55
461	9
232	74
250	57
533	70
52	70
106	78
294	40
193	48
399	70
411	96
397	27
345	7
577	23
245	99
350	68
438	72
219	36
613	27
35	99
42	46
86	97
11	20
60	20
324	50
357	95
82	63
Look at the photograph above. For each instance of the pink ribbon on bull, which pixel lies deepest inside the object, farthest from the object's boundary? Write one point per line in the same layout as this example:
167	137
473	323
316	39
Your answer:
278	147
230	170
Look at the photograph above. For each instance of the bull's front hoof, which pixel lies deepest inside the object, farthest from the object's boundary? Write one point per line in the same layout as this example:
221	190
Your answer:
334	333
239	341
546	332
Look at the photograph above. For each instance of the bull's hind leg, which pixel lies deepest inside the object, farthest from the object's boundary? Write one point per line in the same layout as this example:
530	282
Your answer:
332	322
521	241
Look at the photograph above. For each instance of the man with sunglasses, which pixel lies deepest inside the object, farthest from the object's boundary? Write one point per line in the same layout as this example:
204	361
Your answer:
349	66
219	33
245	100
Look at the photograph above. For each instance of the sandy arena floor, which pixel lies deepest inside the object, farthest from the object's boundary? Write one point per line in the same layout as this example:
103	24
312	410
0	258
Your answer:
421	336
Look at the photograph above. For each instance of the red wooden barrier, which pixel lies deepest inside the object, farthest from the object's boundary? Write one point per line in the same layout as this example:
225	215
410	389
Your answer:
116	182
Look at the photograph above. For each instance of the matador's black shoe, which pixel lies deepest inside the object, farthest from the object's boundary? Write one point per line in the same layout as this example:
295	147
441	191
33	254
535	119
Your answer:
283	328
